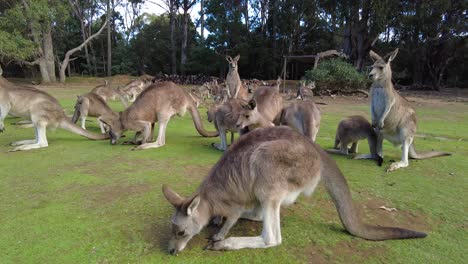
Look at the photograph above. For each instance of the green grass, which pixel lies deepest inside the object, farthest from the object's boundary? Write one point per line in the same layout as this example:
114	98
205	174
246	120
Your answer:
82	201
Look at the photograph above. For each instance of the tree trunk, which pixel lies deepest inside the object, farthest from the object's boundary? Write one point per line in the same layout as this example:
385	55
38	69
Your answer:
245	9
202	21
109	42
43	69
173	46
183	50
48	48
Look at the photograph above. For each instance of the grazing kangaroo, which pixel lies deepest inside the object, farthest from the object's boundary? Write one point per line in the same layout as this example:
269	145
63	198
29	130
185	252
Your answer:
135	87
233	81
109	93
224	118
350	131
392	114
91	104
158	103
263	109
303	116
41	108
263	170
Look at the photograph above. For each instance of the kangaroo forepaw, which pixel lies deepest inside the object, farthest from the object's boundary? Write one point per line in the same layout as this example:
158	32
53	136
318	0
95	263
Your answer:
216	245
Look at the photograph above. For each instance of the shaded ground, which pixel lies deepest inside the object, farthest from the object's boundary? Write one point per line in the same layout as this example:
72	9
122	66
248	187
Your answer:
81	201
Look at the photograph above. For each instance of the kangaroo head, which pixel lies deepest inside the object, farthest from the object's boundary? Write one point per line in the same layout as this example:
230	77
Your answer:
232	62
249	115
187	221
381	69
114	125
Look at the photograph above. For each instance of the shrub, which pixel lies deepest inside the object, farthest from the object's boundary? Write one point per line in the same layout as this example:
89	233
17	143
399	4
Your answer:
337	73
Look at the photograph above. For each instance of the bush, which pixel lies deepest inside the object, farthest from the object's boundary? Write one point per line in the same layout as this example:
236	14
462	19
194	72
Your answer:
337	73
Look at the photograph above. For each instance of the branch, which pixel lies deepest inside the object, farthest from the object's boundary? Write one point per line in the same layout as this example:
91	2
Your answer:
30	63
64	64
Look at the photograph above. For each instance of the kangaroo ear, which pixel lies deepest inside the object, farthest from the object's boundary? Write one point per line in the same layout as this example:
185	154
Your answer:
193	205
278	81
252	104
175	199
228	58
236	58
374	56
389	57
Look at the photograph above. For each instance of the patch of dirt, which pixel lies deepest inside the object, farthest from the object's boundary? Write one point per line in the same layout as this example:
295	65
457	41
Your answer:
106	194
196	172
110	166
103	195
352	251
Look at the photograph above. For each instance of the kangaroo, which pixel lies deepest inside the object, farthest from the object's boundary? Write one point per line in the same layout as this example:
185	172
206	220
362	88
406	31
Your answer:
41	108
224	118
157	103
91	104
109	93
350	131
264	109
233	81
305	90
303	116
392	114
135	87
264	169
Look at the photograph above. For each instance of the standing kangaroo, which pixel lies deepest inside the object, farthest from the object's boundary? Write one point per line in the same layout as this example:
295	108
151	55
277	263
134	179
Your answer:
352	129
158	103
303	116
41	108
392	114
233	81
263	170
91	104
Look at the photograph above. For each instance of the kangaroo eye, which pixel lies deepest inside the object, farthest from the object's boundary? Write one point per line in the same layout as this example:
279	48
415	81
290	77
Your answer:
181	233
380	68
247	116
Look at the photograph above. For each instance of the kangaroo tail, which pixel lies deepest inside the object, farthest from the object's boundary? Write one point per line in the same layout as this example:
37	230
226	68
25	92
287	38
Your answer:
76	114
68	125
425	155
338	189
198	122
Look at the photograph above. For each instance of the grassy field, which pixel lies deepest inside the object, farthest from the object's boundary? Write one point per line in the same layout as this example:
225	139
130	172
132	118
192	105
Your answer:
82	201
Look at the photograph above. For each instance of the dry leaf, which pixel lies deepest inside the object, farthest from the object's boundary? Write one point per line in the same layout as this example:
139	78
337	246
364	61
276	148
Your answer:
383	207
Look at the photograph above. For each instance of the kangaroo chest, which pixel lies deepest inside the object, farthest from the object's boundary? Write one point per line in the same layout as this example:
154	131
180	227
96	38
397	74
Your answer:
378	101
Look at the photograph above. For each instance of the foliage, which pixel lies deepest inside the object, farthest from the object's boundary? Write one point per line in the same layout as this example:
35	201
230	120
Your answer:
16	47
431	36
336	71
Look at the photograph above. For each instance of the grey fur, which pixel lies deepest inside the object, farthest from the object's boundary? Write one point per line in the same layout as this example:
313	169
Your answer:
352	129
263	170
303	116
91	104
41	108
234	85
158	103
392	114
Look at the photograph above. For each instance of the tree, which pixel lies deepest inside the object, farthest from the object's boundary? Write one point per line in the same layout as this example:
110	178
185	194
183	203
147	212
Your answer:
186	6
66	60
